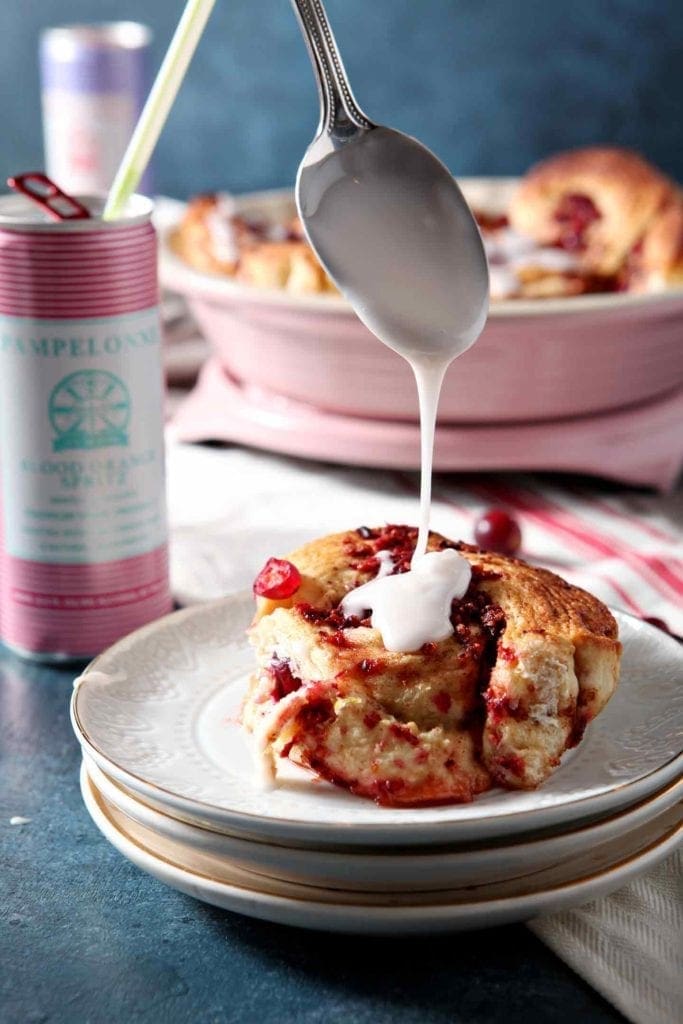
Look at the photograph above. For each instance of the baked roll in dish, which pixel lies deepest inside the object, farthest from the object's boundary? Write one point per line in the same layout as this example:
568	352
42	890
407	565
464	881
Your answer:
532	660
214	238
656	262
290	266
609	206
599	219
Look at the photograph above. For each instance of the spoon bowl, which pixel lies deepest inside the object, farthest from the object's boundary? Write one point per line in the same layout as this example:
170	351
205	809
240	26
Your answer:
387	220
394	232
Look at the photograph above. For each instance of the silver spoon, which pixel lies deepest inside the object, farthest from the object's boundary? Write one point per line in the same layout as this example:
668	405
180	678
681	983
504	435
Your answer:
387	220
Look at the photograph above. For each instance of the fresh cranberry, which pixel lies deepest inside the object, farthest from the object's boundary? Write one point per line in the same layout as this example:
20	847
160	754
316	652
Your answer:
277	580
657	623
497	530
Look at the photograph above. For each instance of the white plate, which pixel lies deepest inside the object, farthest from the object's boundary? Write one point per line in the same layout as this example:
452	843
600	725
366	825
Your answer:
159	712
491	194
407	870
590	876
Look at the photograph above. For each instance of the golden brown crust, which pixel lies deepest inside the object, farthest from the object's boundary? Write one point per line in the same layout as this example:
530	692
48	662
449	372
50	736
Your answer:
538	283
620	218
212	238
290	266
191	240
194	239
626	190
545	653
659	264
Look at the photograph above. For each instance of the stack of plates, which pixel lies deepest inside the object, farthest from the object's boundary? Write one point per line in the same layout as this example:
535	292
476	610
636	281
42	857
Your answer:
168	778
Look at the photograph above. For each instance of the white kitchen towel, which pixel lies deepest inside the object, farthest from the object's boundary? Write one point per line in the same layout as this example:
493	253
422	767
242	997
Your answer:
629	946
231	508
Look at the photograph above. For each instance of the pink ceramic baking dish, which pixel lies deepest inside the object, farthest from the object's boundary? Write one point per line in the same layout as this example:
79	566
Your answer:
536	360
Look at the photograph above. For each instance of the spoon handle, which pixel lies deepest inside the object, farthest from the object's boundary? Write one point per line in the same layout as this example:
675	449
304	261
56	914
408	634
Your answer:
339	111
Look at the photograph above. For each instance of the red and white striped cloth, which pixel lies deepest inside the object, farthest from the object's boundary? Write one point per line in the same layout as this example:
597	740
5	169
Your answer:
623	545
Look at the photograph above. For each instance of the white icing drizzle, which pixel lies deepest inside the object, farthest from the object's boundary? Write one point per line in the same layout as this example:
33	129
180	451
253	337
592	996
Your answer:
263	748
270	722
509	253
429	373
413	608
502	282
507	244
548	258
220	223
386	564
223	240
277	233
226	205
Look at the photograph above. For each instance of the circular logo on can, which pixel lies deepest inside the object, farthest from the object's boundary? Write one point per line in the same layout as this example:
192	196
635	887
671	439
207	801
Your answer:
89	409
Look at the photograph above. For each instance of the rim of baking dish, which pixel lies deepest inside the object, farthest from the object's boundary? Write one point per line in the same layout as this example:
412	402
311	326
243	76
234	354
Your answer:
177	275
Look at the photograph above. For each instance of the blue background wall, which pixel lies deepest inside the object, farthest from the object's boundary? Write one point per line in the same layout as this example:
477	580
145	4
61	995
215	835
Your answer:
491	85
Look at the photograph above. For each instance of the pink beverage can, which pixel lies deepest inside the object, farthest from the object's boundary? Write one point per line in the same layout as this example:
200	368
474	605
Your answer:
94	83
83	540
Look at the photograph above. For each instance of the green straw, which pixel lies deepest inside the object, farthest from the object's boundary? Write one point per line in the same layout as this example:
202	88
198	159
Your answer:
159	102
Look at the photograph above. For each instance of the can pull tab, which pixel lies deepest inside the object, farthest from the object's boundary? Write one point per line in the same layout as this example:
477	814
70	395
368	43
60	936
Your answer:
42	191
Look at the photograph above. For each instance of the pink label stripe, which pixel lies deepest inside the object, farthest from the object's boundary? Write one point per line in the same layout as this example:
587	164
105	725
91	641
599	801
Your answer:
87	287
37	263
97	285
79	633
37	241
94	268
83	602
80	609
76	311
82	308
21	268
76	578
86	584
74	308
29	246
78	275
24	262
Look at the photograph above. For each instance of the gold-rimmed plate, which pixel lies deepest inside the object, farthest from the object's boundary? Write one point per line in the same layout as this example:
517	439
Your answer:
590	876
400	869
159	712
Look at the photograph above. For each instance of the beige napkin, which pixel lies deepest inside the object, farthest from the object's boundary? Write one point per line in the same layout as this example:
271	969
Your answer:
629	946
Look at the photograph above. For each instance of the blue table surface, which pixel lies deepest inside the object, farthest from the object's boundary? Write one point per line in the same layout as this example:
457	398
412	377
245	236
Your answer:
86	937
